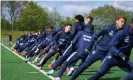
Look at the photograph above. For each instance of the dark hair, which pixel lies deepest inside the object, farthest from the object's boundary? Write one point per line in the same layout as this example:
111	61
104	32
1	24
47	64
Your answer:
50	27
67	25
80	18
91	18
123	17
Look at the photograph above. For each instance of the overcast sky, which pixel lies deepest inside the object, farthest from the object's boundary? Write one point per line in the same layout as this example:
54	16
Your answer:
69	8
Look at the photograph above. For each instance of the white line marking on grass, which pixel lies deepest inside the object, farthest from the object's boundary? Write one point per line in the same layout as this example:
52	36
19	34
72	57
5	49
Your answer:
42	71
33	72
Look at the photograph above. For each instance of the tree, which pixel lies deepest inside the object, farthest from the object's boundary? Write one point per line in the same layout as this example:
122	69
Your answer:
14	8
54	18
68	20
33	17
107	14
3	5
5	25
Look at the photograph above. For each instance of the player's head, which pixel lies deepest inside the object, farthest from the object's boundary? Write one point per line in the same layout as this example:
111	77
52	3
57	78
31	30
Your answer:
67	27
131	24
79	18
36	33
120	21
46	27
50	28
39	31
88	20
30	34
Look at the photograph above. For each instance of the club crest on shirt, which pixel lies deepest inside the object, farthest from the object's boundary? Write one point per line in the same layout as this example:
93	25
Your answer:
111	33
127	39
86	38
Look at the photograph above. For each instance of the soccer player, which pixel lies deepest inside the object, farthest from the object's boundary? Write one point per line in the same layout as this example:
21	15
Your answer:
31	40
82	39
47	43
18	41
89	26
130	75
57	30
60	44
102	46
41	38
21	42
119	53
79	25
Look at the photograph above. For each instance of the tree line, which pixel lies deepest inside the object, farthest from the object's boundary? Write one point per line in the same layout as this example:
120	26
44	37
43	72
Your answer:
29	16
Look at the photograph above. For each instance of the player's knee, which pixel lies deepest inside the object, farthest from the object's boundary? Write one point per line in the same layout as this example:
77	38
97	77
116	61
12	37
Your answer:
66	63
85	64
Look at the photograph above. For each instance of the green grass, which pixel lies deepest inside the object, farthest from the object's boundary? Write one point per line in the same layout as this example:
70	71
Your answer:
14	68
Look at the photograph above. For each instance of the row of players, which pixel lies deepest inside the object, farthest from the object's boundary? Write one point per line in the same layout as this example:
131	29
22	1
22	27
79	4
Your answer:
112	45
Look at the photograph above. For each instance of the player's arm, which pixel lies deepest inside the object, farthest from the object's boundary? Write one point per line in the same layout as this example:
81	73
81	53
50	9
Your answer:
114	44
57	37
74	30
95	36
74	41
56	31
40	37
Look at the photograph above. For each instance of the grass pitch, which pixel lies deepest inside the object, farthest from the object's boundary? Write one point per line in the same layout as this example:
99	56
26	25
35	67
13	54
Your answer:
14	68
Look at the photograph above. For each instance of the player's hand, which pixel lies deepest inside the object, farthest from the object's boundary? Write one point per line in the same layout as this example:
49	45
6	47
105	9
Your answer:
123	57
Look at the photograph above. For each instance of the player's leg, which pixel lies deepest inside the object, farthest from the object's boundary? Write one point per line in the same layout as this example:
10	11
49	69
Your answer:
28	49
129	76
72	67
72	58
92	57
30	54
125	66
107	63
61	59
22	48
43	52
48	56
56	57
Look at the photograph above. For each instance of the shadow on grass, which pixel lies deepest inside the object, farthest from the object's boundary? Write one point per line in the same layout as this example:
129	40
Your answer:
116	78
115	70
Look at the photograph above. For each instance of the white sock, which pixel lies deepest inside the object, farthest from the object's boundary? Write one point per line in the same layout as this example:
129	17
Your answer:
28	59
53	61
72	68
51	71
36	50
42	60
36	59
57	78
